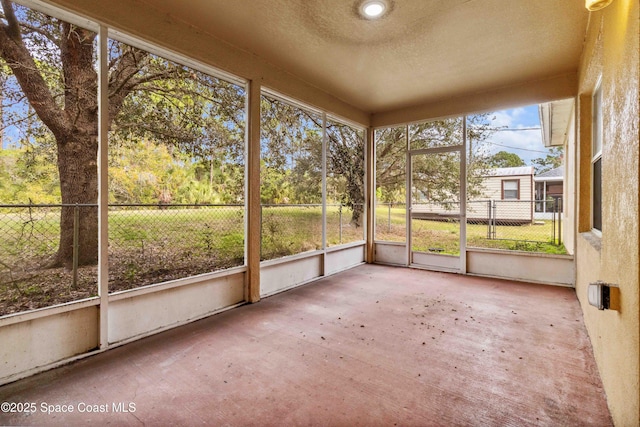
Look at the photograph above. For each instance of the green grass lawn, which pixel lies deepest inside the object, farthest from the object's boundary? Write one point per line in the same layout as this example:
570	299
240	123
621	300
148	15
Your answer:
218	233
444	237
145	244
156	245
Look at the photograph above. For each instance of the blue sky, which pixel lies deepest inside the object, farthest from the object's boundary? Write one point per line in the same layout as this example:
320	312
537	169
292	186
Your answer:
526	143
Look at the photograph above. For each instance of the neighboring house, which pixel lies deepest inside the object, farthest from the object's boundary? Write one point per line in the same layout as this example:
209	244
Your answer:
548	186
508	184
510	191
507	195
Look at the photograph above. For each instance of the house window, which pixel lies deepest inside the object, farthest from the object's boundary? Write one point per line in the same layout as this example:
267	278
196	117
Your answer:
596	159
511	189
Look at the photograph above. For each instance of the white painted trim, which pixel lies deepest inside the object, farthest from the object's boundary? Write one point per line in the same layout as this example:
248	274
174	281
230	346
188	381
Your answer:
345	246
463	198
291	258
365	187
175	325
25	316
347	122
57	364
522	266
343	269
186	281
548	179
519	253
462	180
436	261
392	264
289	100
324	189
436	150
38	369
103	187
535	282
435	268
306	282
174	56
388	242
288	288
245	193
61	13
408	203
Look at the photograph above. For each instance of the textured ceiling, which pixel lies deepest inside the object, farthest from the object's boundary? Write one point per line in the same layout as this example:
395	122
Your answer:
421	51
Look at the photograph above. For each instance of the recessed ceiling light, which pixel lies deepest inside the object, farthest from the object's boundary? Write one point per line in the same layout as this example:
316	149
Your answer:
593	5
373	9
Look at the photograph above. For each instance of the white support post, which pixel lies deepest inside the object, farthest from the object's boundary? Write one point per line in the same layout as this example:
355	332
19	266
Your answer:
252	191
370	195
103	186
324	192
408	183
463	198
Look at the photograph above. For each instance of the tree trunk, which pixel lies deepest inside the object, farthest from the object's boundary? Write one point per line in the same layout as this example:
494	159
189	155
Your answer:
78	148
77	166
356	217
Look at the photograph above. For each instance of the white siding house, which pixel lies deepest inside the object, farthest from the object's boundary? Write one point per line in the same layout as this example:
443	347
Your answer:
508	191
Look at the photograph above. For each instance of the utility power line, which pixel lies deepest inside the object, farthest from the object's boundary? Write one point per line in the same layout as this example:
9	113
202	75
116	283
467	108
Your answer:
515	148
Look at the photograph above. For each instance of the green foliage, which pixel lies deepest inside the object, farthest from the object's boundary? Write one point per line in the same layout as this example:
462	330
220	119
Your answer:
391	146
435	177
176	134
504	159
345	168
28	174
550	161
291	140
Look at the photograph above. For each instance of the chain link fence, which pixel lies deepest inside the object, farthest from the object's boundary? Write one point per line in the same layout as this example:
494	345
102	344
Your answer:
30	234
147	244
391	222
29	244
514	225
289	229
499	224
156	243
344	224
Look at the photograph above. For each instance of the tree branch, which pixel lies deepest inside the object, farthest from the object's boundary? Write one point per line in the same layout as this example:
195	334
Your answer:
23	66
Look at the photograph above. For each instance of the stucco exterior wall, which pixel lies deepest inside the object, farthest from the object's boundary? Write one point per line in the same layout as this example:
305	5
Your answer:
611	51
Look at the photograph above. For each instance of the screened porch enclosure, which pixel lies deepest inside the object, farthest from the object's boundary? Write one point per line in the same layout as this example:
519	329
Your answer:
206	187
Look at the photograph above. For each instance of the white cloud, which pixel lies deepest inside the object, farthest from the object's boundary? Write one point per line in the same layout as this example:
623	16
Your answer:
526	143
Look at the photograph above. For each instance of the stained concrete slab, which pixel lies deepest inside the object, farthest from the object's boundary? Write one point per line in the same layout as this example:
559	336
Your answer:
373	345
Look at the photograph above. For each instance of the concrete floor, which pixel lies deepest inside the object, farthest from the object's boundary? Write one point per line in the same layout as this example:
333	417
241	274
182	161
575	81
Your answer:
370	346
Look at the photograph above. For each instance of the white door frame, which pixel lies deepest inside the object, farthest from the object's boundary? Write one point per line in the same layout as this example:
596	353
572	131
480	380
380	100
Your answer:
439	262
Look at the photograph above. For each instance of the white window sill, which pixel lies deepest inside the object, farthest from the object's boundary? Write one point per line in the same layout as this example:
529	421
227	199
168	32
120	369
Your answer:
594	238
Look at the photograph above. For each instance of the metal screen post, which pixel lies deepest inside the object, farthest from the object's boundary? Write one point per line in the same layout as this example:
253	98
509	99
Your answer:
76	238
494	218
489	219
560	208
340	214
553	216
389	217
